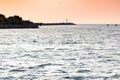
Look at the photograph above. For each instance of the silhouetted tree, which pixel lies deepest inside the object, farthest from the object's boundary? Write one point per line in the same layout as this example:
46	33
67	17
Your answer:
2	16
14	20
2	19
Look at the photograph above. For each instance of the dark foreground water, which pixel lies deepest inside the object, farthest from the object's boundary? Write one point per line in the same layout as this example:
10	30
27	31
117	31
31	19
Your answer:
81	52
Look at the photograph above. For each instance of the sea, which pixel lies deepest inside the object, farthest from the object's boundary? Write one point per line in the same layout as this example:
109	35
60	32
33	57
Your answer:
64	52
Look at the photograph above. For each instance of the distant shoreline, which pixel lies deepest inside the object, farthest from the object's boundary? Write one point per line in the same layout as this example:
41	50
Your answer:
18	26
34	25
37	25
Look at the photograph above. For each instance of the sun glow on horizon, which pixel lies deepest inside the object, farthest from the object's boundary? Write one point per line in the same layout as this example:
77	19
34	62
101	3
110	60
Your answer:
78	11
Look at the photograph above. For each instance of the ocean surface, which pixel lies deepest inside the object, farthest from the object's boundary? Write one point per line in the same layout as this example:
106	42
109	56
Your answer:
76	52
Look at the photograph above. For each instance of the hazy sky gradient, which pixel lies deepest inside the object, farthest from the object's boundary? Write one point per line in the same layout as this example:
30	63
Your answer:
78	11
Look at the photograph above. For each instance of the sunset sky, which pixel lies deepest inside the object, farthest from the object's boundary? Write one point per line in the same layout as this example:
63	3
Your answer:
78	11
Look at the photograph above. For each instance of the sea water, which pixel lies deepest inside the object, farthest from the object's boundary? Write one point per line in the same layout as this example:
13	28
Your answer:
72	52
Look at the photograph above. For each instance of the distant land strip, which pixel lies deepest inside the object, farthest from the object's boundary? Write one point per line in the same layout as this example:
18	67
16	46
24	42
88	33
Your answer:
16	22
48	24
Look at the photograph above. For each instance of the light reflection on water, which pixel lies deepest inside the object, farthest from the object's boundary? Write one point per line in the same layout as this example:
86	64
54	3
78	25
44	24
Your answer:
81	52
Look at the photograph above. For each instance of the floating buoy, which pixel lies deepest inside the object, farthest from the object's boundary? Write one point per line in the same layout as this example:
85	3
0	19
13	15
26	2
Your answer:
108	25
115	24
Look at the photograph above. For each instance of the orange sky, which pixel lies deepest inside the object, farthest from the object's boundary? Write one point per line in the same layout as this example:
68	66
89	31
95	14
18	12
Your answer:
78	11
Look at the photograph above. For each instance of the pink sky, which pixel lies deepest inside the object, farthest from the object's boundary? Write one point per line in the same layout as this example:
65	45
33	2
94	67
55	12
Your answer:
78	11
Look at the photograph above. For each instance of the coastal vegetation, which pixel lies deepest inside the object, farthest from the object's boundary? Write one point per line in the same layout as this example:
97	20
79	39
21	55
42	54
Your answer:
17	22
13	20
